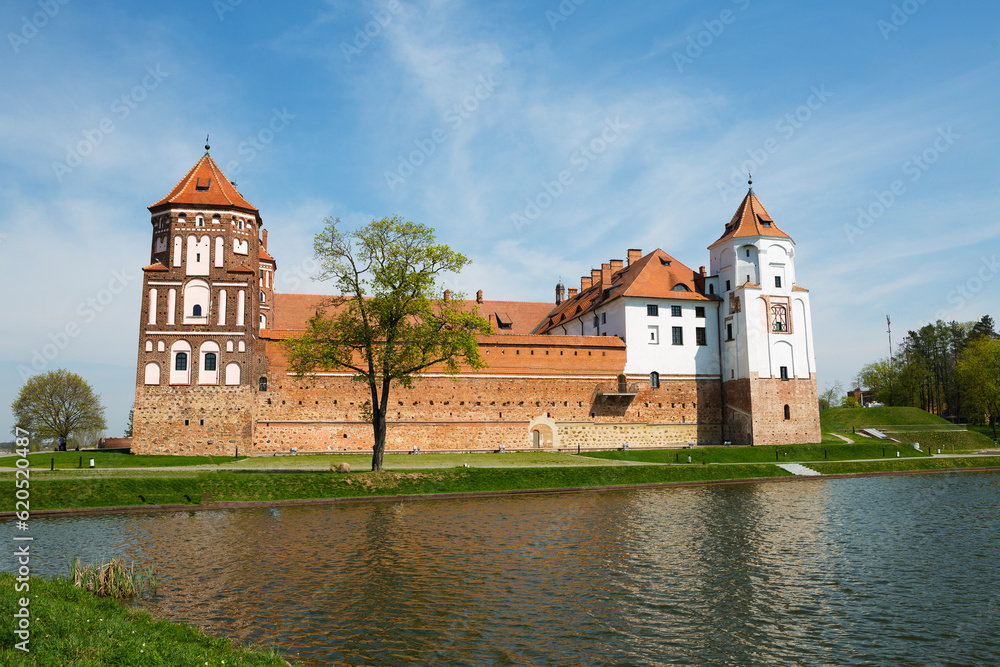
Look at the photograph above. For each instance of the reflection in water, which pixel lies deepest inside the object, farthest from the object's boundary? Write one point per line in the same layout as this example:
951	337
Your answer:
823	572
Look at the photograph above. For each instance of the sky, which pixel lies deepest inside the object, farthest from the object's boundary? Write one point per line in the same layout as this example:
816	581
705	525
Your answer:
870	128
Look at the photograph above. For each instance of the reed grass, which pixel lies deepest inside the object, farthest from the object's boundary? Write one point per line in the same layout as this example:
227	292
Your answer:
115	578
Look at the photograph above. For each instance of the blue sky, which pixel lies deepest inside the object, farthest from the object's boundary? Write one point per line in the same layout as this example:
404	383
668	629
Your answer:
870	127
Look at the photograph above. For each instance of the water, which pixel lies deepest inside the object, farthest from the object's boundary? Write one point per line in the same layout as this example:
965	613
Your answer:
880	571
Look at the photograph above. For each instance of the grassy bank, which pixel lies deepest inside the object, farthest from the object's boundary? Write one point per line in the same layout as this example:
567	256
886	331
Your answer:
894	465
234	486
949	441
842	418
764	454
72	627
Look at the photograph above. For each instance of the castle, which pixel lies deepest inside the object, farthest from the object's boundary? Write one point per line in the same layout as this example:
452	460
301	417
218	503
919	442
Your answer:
646	351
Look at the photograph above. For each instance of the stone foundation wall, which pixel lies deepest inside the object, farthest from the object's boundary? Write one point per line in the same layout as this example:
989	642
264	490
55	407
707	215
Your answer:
571	435
770	396
219	419
737	421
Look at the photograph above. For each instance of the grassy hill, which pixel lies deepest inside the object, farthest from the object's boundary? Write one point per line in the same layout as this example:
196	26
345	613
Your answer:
836	418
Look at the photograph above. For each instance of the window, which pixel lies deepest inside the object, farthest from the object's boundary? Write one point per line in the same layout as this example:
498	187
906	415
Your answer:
652	310
262	297
784	372
779	318
788	413
262	383
700	336
748	252
654	335
199	222
699	312
196	311
678	335
711	289
596	321
729	332
604	318
239	225
675	311
210	361
728	287
203	187
505	325
181	362
766	224
777	281
654	380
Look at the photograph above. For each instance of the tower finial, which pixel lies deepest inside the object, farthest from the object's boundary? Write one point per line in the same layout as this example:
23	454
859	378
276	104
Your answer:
207	147
749	179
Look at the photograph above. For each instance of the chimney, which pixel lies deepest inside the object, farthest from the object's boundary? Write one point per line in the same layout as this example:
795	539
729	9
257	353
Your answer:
447	294
701	271
264	232
595	276
634	255
586	282
616	266
479	296
560	292
605	275
572	292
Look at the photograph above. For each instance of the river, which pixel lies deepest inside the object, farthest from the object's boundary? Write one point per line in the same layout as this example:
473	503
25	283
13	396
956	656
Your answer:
883	571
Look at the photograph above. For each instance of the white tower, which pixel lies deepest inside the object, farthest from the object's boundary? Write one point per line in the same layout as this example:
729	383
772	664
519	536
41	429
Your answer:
768	362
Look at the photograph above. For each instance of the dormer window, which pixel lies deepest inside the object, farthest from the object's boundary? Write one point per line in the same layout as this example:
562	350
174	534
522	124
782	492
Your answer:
766	224
202	187
664	262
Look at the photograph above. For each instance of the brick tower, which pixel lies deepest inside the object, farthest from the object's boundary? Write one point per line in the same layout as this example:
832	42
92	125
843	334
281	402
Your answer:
768	360
202	310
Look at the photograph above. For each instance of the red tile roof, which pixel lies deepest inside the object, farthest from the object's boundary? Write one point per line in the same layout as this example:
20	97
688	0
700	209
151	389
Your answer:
155	266
292	312
264	256
751	219
205	184
655	276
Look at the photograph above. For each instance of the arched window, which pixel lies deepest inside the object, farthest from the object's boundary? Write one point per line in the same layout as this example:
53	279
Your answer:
232	373
788	413
200	222
654	380
181	361
262	297
239	224
196	311
263	322
779	318
209	370
262	383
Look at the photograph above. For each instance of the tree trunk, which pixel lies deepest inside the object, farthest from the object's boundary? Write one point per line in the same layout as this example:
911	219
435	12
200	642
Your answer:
378	449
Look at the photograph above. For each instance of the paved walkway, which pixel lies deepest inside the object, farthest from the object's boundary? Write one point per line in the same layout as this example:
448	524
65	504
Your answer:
843	437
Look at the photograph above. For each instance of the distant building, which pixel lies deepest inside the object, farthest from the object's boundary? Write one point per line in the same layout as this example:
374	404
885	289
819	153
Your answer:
646	351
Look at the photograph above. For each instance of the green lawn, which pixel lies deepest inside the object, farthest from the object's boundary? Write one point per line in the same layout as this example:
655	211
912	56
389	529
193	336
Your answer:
948	441
359	462
868	449
70	626
843	418
111	460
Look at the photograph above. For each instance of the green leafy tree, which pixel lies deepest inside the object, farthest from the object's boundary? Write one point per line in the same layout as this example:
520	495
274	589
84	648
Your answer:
877	379
831	396
978	372
387	325
58	404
